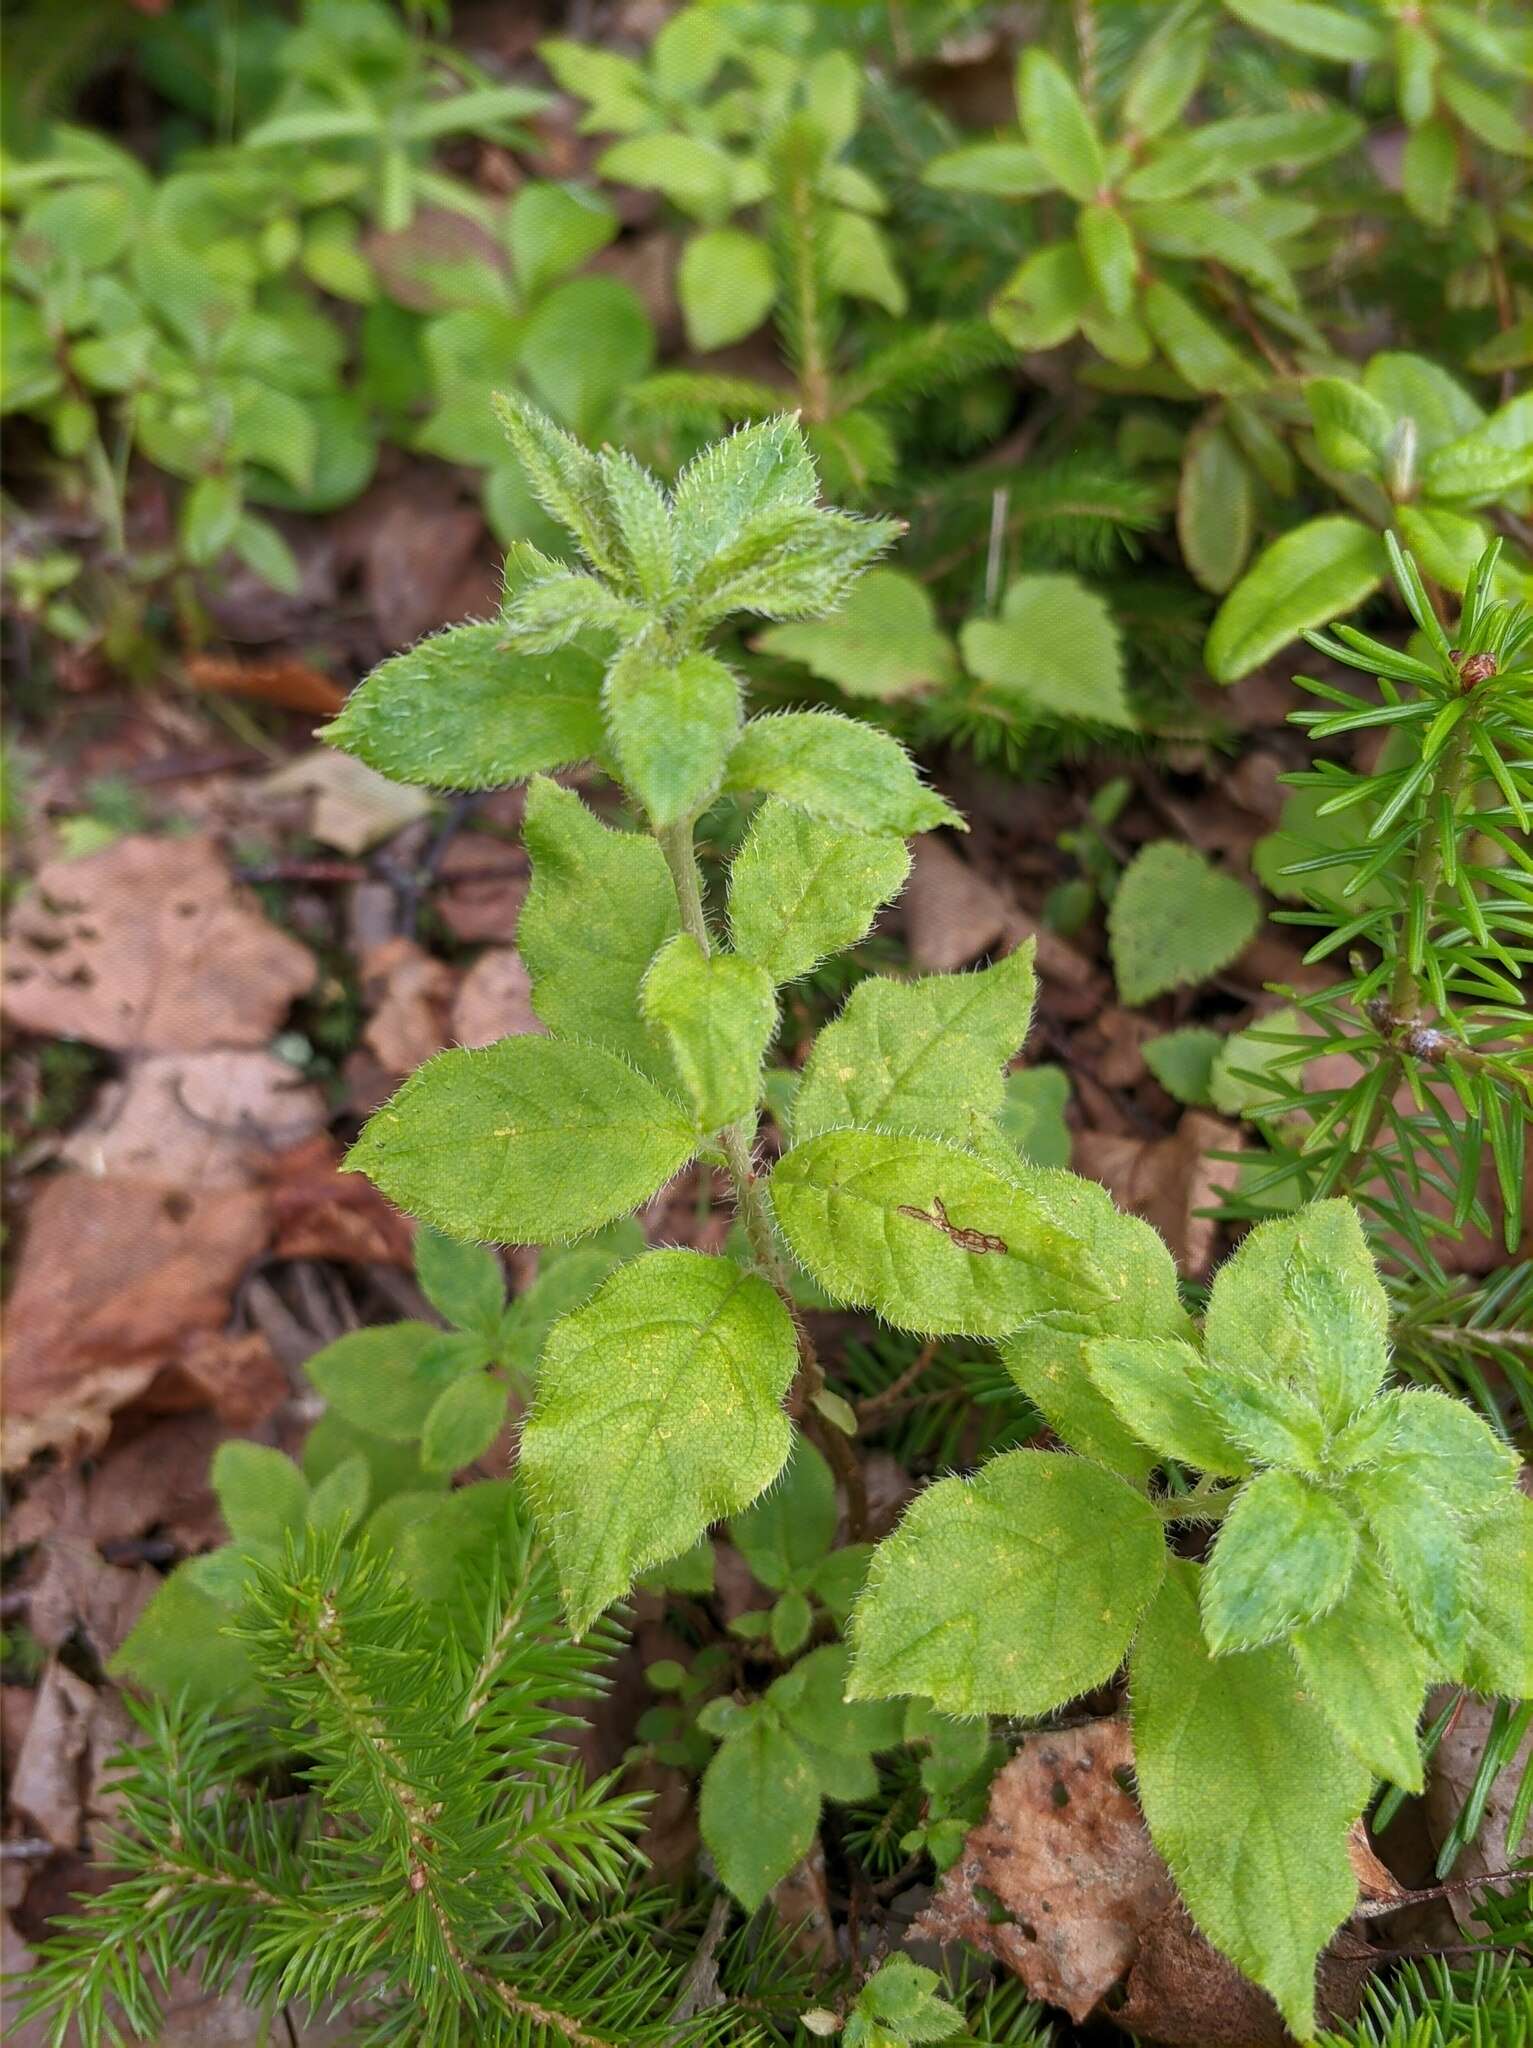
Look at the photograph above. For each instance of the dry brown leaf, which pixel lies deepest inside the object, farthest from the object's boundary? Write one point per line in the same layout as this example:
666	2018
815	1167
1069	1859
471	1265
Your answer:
1090	1907
78	1592
495	1000
481	886
48	1789
1167	1180
148	946
196	1119
408	994
1450	1779
354	807
157	1480
115	1278
288	682
235	1373
1064	1850
801	1901
952	913
322	1213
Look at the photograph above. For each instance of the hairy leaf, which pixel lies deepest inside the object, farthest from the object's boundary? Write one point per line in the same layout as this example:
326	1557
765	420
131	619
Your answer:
1499	1654
463	710
528	1141
1053	650
1284	1555
1249	1795
801	889
836	768
658	1411
924	1056
786	1534
1425	1557
672	725
601	905
1364	1668
716	1015
862	1210
1010	1592
1155	1386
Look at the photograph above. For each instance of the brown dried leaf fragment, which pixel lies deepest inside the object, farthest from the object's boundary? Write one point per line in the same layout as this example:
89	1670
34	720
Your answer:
148	946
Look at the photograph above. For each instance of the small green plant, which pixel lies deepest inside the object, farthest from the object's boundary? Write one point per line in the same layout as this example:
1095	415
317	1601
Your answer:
1346	1513
1425	892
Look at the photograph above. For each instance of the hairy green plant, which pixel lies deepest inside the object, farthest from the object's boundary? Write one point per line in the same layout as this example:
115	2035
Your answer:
667	1399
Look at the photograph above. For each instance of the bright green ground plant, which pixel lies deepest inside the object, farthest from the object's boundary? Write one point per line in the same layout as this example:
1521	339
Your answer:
1271	1684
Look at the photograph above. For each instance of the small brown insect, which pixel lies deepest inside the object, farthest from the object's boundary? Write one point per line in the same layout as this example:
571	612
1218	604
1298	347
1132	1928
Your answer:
966	1240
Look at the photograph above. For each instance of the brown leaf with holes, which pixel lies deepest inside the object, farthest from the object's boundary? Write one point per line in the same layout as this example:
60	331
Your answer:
290	683
116	1279
148	946
196	1119
1167	1181
1065	1852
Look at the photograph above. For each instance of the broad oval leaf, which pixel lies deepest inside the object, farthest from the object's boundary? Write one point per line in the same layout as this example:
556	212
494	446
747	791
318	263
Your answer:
1249	1795
658	1411
1054	650
1008	1593
462	710
716	1014
759	1805
863	1211
801	888
836	768
726	283
884	641
1284	1555
384	1380
924	1056
672	725
1042	303
528	1141
1307	578
601	905
1176	919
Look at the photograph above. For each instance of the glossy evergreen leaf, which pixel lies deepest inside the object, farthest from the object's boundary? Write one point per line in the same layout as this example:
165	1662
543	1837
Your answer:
1431	171
1353	430
1107	249
600	907
924	1056
1041	304
1195	348
863	1211
801	889
838	769
1053	651
1257	1845
883	641
1283	1556
1313	574
1218	151
528	1141
672	725
1058	128
1004	169
1364	1668
658	1411
1175	919
716	1015
1168	69
1010	1592
1318	30
1215	508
